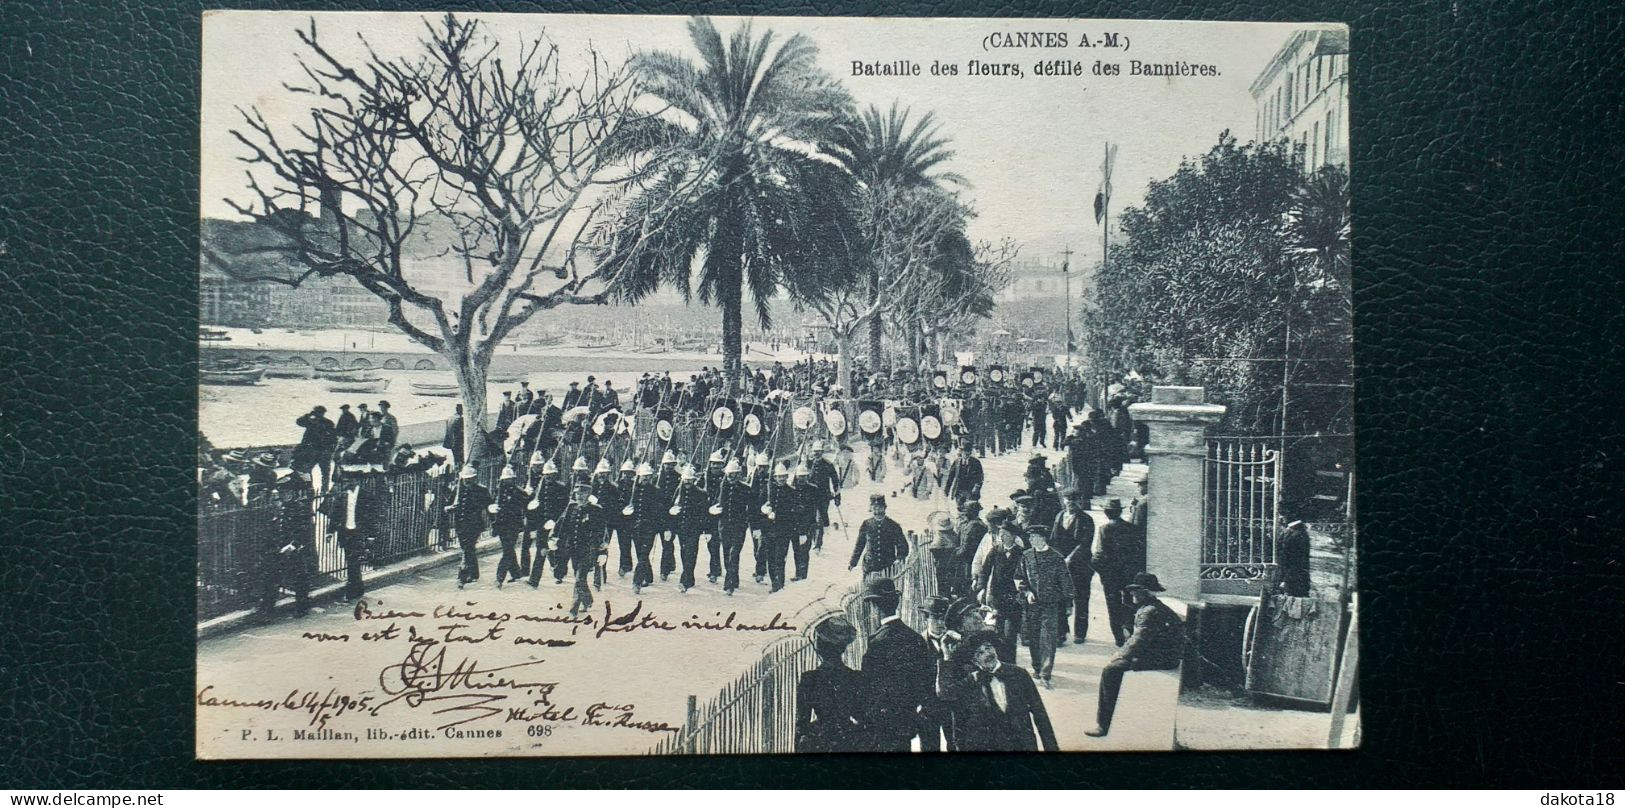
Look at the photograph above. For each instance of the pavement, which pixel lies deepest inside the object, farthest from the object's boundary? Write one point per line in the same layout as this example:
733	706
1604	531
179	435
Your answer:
643	677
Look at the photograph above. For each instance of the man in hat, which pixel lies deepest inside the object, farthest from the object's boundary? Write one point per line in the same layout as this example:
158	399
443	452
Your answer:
825	484
647	516
995	705
1073	536
508	521
781	527
901	672
347	426
668	481
830	703
761	486
613	498
289	556
551	497
1292	554
693	523
735	504
469	509
453	438
1156	644
317	445
1119	552
1046	585
972	531
965	475
579	535
880	540
572	397
523	400
505	413
996	589
389	430
1083	455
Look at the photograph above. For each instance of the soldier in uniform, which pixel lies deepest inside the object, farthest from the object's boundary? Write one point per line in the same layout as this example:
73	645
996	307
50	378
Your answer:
760	483
734	506
825	483
468	514
646	519
801	498
508	520
1038	410
609	499
668	482
780	527
579	535
692	521
549	501
713	529
618	520
533	520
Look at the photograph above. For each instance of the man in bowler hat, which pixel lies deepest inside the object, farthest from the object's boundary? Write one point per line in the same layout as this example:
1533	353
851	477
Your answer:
900	670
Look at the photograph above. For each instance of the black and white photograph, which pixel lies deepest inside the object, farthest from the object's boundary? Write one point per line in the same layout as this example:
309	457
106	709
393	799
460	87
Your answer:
590	385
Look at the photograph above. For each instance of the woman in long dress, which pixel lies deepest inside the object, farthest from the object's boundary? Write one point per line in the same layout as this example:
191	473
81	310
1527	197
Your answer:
830	697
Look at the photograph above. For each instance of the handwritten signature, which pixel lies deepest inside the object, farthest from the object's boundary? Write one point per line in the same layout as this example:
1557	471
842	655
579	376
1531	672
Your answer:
426	677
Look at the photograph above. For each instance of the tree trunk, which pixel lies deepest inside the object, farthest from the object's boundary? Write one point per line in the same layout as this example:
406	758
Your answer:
470	376
877	329
732	300
843	361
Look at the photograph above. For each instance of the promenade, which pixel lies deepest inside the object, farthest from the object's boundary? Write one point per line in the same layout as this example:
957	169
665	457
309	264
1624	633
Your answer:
656	671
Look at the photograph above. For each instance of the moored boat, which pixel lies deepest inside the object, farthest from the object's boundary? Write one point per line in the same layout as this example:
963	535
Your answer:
290	372
356	375
432	389
242	376
373	385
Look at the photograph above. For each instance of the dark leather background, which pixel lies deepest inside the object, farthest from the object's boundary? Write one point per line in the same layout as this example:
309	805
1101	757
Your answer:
1486	167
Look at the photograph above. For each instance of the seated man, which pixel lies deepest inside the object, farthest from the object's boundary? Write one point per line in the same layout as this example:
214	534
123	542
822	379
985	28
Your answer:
1157	644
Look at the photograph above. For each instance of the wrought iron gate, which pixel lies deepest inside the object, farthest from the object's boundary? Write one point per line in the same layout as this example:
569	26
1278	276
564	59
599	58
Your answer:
1241	497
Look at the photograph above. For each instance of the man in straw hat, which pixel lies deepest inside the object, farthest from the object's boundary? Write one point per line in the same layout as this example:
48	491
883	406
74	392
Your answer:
900	668
1156	644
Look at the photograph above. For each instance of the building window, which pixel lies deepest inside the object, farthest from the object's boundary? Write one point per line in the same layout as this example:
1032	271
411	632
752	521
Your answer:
1314	147
1329	136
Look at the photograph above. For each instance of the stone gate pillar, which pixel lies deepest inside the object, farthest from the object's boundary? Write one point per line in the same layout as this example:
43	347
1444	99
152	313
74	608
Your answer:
1179	420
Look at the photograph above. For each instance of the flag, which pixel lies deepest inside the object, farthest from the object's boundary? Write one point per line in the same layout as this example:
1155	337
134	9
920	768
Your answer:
1103	197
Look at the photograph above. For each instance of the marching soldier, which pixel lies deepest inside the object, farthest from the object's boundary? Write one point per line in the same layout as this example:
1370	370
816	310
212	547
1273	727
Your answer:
468	513
825	484
647	517
607	496
714	474
533	519
691	520
780	528
668	482
508	520
760	482
618	520
579	535
734	507
548	502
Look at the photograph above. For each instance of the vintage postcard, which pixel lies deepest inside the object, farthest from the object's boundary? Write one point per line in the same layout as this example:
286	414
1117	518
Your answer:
651	385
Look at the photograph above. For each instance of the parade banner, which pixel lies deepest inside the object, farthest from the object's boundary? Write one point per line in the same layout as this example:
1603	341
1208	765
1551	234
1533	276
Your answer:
580	385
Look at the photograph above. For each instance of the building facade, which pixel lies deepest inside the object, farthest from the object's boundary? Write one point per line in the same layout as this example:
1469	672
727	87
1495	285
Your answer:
1302	96
1030	278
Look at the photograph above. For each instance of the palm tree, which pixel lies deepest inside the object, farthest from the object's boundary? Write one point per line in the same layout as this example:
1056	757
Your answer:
882	149
737	185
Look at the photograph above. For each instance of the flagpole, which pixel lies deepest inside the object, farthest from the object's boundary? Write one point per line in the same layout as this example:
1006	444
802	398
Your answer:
1066	280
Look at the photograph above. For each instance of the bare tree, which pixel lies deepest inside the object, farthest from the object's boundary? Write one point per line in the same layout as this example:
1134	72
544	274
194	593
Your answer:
958	290
902	229
492	154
